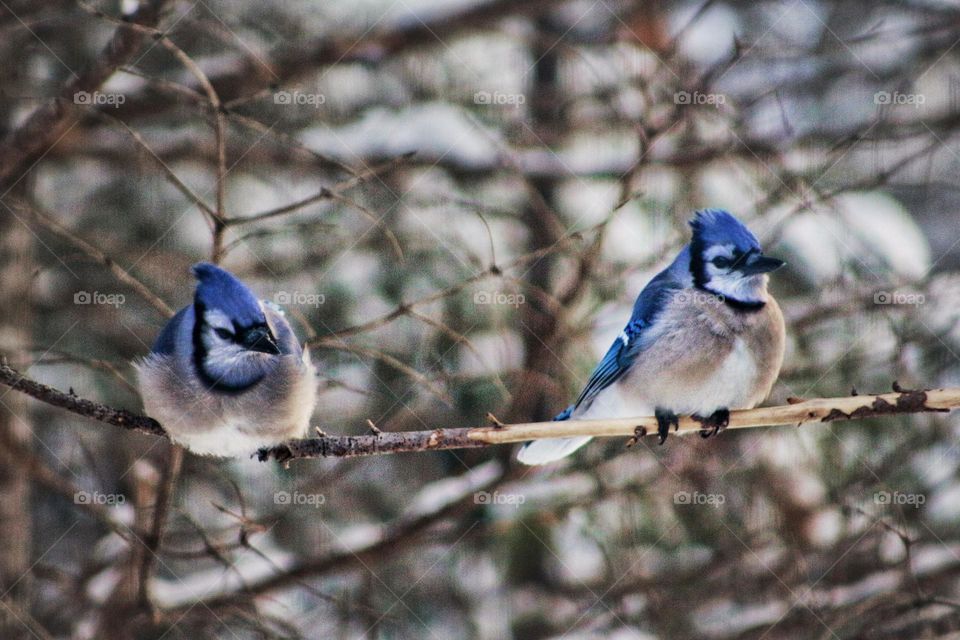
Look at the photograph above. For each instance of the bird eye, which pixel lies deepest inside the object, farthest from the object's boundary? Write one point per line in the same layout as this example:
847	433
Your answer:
720	262
223	333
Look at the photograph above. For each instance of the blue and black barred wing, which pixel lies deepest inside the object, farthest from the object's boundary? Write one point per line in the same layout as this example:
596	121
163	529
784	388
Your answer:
617	361
630	343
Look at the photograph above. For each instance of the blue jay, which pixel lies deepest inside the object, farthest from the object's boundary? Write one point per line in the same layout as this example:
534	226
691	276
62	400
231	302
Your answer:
227	375
705	337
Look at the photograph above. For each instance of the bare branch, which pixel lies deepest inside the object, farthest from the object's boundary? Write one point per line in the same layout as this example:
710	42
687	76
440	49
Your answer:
118	417
396	537
121	274
798	412
816	410
287	65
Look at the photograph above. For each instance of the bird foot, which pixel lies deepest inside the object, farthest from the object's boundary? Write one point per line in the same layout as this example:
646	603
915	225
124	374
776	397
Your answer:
666	419
714	423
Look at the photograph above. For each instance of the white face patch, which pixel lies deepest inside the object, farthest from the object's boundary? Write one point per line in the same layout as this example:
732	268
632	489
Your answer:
737	286
224	356
217	322
731	283
217	319
711	270
725	250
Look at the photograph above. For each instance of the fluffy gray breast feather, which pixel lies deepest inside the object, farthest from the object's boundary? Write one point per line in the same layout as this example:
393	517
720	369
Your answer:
215	422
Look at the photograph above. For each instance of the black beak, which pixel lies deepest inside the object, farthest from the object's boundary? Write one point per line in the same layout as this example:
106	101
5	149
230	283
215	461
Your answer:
259	339
761	264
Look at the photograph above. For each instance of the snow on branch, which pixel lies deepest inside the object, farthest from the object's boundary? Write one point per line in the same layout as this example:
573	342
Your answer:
796	412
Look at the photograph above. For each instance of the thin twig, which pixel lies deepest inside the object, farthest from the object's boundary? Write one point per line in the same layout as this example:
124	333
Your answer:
121	274
325	193
403	309
152	541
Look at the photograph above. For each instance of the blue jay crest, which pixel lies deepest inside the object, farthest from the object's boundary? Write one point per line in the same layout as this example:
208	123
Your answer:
716	226
220	289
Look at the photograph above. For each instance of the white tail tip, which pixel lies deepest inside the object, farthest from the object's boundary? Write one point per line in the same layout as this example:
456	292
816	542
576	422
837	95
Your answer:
544	451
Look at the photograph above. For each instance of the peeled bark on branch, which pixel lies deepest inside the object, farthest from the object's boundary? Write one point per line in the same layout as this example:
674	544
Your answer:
797	412
900	401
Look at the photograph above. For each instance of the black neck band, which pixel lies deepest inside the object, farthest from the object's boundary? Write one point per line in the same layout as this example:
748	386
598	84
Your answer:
746	306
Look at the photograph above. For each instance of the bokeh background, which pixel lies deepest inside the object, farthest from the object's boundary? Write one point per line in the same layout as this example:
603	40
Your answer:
457	201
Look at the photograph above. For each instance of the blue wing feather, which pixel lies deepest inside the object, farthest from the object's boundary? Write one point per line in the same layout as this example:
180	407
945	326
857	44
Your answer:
166	342
614	364
565	414
629	344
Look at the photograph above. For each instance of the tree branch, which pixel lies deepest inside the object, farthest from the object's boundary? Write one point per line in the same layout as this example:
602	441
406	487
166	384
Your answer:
395	538
799	412
118	417
796	412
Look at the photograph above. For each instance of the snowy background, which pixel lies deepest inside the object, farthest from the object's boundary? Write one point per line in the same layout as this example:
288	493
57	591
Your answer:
484	186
